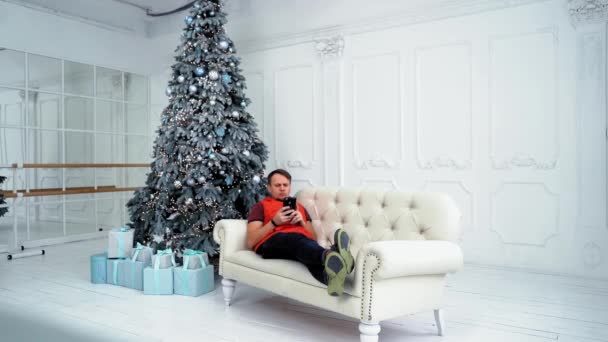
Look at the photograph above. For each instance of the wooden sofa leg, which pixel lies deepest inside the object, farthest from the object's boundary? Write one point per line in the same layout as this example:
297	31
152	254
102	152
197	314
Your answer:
228	289
368	331
439	321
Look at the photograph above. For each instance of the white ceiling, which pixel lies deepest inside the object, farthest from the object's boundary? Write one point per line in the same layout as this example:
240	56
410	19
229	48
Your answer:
155	6
258	19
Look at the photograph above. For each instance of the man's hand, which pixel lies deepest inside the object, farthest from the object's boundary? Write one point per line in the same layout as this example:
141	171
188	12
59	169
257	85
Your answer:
296	217
283	216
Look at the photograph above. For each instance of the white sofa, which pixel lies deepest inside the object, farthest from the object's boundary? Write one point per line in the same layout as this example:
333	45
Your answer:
402	243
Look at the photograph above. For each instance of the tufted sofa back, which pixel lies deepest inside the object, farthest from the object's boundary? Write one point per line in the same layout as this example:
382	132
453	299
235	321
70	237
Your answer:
372	215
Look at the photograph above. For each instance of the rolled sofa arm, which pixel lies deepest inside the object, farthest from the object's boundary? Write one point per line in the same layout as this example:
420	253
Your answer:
401	258
231	235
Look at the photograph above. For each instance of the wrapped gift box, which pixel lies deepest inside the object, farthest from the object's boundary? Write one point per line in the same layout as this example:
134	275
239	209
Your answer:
114	270
120	243
158	278
193	283
195	259
98	268
131	272
142	253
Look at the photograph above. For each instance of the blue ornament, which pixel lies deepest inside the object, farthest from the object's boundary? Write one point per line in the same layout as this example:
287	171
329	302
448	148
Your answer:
226	78
228	180
220	131
168	91
199	71
192	88
189	20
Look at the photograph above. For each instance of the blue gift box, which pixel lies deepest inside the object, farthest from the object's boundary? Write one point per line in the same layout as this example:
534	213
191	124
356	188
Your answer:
187	282
98	268
159	281
114	269
131	274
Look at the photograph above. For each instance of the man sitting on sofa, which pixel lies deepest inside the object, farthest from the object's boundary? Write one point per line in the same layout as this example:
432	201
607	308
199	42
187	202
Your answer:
275	231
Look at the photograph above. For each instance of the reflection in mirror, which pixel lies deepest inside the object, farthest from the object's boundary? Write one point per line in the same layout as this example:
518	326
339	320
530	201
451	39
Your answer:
12	68
136	88
136	117
109	83
12	110
44	146
44	110
78	78
79	113
79	147
44	73
109	117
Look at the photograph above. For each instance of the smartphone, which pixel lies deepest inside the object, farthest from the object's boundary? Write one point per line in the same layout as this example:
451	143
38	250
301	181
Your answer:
290	202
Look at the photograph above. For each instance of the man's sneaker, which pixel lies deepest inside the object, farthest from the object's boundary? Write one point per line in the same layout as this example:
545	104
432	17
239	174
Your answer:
335	269
342	246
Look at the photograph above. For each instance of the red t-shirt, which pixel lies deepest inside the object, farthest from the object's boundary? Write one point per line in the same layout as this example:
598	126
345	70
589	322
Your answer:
266	209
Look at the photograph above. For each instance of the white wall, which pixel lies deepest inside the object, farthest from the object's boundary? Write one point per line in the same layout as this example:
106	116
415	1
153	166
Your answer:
34	31
485	107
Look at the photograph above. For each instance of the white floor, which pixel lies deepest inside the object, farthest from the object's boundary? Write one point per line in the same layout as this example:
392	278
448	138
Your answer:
49	298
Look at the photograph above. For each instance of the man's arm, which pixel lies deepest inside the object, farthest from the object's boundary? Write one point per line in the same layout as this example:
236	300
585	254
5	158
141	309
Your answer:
256	230
308	225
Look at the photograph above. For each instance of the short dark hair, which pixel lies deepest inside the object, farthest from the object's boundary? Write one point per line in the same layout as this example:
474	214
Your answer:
279	172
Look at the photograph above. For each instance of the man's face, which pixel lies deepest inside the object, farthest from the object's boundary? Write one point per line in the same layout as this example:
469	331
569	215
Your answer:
279	186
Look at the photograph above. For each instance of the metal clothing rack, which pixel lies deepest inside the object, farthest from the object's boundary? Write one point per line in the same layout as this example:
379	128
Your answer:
19	194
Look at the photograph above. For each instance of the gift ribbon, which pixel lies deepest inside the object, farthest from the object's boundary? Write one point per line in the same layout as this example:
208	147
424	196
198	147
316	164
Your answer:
167	251
115	273
139	247
121	241
188	253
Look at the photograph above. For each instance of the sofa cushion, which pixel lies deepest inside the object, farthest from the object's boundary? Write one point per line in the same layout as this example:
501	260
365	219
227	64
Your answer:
285	268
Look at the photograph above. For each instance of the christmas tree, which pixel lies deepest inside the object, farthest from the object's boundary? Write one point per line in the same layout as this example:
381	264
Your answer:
3	210
208	160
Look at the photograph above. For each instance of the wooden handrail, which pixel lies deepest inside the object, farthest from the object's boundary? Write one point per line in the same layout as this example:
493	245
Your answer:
75	166
68	191
70	188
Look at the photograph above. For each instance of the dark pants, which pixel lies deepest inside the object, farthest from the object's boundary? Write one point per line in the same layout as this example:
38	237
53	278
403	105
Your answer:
294	246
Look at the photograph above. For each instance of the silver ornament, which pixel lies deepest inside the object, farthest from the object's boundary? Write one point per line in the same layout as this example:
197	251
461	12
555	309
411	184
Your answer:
190	181
201	179
223	45
243	104
224	150
246	153
256	178
222	172
212	102
199	158
177	184
189	201
211	13
235	114
214	75
232	64
168	91
181	79
193	88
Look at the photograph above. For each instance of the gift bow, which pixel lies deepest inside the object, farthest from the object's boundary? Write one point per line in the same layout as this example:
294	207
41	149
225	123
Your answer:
188	253
160	252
